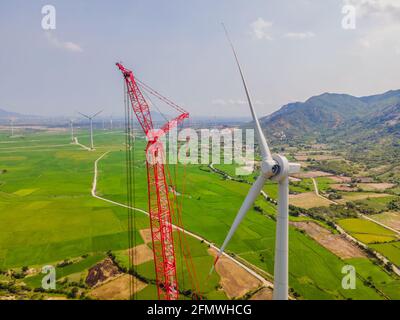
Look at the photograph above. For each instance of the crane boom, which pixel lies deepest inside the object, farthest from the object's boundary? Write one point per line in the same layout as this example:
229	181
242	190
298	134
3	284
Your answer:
159	202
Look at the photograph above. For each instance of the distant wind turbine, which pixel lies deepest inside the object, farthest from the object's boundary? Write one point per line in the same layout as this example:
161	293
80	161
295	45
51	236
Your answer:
71	122
91	125
277	168
111	123
12	127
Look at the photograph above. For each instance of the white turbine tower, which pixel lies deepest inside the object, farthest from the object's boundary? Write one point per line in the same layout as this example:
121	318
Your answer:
71	123
91	126
12	127
111	123
277	168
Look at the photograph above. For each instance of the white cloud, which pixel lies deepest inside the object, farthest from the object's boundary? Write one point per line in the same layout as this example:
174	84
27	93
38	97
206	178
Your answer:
261	29
384	40
220	102
375	7
380	27
300	35
237	102
66	45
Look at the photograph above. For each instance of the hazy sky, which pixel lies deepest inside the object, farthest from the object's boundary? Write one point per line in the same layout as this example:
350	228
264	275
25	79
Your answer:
290	50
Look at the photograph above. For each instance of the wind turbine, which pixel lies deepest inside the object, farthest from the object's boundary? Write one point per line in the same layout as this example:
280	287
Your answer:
111	123
91	126
71	122
277	168
12	127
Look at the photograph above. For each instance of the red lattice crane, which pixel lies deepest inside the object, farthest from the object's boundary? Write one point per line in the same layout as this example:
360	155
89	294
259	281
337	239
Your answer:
159	201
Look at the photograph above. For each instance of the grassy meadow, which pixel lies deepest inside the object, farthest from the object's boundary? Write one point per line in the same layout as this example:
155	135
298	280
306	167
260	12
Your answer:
47	214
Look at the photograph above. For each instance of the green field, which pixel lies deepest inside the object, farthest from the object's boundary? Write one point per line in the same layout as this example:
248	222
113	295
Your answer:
389	250
314	272
377	237
57	218
379	204
367	231
47	215
374	275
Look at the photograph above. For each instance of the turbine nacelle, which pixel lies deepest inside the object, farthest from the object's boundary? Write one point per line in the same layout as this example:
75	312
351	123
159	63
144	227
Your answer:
278	168
269	168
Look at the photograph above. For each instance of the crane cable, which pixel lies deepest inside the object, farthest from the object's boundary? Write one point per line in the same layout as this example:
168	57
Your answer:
184	246
131	193
160	96
181	231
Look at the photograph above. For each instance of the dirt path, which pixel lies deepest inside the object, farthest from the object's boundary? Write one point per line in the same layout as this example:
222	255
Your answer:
361	215
249	270
317	191
363	245
380	223
81	145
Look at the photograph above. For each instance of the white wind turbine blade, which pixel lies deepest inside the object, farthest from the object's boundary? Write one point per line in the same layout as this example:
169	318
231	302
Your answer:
248	202
95	115
265	152
86	116
281	281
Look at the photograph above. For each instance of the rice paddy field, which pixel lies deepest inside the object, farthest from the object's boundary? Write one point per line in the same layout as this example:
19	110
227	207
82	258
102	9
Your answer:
47	215
367	231
382	240
391	219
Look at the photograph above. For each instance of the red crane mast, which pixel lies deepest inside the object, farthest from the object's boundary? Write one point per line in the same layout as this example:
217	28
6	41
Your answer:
159	202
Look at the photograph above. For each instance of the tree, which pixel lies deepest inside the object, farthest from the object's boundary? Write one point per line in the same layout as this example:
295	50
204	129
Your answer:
394	205
73	293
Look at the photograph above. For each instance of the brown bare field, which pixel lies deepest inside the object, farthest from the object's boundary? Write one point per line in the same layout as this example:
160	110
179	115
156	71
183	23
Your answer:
353	196
117	289
312	174
340	179
319	146
263	294
235	281
365	179
391	219
308	200
146	235
379	170
337	244
376	186
342	187
303	164
141	254
102	272
317	157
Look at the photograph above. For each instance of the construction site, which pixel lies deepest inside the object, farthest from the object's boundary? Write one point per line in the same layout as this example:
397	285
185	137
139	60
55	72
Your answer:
195	163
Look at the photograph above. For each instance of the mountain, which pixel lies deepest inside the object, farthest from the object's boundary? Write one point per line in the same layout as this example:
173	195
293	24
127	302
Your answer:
8	114
331	113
